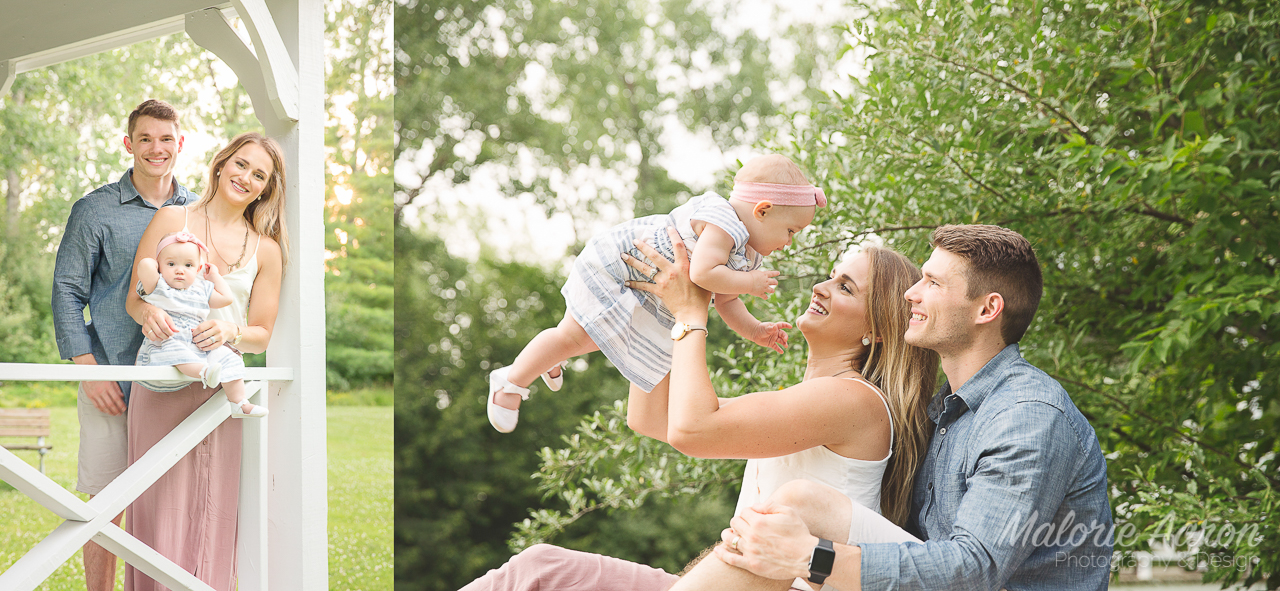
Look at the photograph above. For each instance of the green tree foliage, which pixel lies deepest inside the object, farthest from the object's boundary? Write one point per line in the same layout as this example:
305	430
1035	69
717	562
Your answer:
1134	143
359	283
549	89
543	92
460	485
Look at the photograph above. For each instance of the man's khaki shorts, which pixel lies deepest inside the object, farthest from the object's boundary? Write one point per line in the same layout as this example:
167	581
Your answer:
104	446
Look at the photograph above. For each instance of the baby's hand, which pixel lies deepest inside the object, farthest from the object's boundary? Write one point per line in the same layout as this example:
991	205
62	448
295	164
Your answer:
763	283
771	334
211	272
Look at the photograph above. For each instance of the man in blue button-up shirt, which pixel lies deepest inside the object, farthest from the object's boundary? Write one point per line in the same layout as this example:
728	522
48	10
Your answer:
95	261
1013	491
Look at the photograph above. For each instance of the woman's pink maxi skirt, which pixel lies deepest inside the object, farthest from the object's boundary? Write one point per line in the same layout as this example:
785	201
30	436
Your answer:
189	515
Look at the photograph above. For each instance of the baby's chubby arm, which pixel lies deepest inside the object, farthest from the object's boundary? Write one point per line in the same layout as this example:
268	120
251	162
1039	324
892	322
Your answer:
148	275
708	267
736	315
221	295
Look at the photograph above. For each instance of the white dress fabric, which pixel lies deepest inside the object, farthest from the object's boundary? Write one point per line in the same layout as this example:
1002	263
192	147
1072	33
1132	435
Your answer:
857	479
631	327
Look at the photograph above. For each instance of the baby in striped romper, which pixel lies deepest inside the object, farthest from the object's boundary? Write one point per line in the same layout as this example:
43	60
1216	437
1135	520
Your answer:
172	282
727	240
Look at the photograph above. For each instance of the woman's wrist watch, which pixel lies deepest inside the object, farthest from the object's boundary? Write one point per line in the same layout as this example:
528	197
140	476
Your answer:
682	328
239	334
822	561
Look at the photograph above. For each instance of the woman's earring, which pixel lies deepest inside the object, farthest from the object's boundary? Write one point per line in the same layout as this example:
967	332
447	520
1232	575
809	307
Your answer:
866	341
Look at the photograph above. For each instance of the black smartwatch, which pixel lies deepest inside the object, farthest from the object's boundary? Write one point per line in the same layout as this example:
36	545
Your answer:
822	561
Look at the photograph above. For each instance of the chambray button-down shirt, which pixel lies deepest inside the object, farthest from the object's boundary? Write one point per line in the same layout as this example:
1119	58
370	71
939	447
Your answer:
1012	494
95	261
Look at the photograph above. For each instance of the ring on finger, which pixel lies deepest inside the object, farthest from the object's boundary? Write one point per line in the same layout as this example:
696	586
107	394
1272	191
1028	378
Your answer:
734	543
653	274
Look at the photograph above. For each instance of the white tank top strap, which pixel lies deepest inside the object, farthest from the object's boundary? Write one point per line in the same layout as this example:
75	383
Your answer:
184	219
255	246
886	407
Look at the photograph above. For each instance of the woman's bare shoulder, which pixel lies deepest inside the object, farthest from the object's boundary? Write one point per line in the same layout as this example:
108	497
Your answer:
836	394
173	215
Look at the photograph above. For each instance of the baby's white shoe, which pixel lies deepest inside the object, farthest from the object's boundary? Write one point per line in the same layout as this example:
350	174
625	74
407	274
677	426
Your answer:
556	382
503	419
237	411
209	375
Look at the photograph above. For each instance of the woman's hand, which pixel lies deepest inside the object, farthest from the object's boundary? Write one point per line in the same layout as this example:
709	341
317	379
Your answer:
156	324
212	334
671	280
771	334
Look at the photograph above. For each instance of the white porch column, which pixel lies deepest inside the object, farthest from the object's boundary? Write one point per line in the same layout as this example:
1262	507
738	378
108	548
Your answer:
298	506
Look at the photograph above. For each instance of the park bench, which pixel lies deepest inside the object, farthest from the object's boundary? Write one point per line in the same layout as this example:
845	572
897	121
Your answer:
26	422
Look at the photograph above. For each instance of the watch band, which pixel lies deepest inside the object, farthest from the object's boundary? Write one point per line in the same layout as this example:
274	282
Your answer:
822	561
681	330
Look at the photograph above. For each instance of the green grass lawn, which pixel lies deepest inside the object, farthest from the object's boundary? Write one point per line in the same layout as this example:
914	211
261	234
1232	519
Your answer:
360	500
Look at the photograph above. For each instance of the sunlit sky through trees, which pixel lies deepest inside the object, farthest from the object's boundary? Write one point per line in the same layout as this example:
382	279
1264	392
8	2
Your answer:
515	226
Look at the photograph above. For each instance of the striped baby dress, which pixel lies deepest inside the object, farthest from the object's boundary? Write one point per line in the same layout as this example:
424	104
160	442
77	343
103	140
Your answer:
631	327
187	308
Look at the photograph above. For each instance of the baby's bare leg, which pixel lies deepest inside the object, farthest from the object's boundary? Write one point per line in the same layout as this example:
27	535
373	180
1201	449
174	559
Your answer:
549	348
191	370
234	390
825	511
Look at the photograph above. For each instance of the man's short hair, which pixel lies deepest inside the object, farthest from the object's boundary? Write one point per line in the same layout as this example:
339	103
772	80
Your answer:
1000	261
156	109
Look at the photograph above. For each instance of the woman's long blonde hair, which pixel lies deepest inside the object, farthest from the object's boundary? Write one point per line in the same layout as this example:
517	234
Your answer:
265	214
905	374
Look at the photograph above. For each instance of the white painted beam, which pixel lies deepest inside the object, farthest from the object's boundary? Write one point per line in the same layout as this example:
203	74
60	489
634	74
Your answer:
8	72
251	531
41	489
278	70
45	372
298	483
211	30
147	560
99	44
58	547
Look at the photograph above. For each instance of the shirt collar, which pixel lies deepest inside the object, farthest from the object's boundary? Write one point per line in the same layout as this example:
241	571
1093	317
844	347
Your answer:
128	192
978	386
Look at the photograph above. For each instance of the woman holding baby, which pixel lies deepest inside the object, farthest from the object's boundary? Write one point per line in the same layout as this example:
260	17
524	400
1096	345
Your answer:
190	514
856	421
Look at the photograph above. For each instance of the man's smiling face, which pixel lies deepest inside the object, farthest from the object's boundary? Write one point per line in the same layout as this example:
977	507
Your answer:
942	314
155	145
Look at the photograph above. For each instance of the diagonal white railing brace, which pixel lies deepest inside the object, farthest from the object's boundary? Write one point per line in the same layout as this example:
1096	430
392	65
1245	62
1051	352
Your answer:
92	519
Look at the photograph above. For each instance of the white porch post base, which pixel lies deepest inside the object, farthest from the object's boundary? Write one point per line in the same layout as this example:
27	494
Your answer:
251	535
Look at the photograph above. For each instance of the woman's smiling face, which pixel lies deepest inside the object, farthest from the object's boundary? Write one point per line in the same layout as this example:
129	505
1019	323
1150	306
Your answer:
838	309
245	175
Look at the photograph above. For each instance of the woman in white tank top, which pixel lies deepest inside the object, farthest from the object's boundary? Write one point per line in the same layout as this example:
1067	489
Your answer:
855	422
240	218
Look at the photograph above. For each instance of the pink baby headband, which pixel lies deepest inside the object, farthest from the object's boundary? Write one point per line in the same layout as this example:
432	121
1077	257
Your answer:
180	237
779	194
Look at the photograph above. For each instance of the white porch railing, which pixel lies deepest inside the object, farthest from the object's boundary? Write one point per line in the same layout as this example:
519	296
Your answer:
92	520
